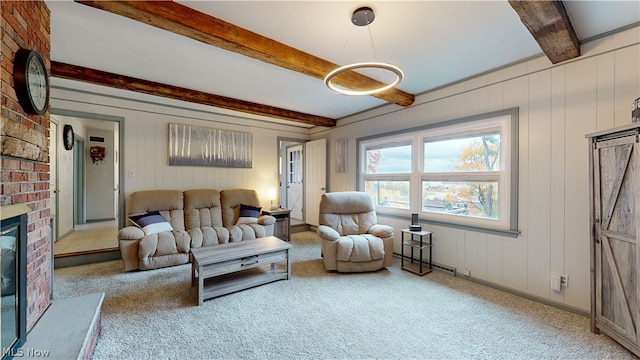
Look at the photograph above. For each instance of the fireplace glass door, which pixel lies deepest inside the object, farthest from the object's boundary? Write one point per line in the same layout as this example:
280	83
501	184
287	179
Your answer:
8	274
13	269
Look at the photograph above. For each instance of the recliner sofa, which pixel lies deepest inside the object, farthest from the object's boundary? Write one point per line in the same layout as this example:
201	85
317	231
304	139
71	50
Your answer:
199	217
352	240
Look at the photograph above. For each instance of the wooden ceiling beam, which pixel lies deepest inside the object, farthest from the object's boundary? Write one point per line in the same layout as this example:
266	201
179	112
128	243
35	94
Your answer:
179	19
78	73
550	26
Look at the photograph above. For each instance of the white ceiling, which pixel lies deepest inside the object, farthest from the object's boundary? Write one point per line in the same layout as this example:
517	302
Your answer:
434	42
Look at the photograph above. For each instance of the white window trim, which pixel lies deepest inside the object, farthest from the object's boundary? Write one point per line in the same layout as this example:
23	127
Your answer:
506	121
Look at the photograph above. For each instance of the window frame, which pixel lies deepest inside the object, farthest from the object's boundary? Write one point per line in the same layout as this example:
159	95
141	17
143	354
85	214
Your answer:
403	139
506	121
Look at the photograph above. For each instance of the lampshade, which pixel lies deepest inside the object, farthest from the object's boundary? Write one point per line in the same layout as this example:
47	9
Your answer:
271	194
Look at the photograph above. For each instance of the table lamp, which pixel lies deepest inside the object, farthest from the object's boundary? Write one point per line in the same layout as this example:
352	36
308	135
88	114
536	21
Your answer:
271	195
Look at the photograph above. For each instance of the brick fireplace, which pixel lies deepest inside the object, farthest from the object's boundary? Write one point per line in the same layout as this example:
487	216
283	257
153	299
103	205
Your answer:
24	156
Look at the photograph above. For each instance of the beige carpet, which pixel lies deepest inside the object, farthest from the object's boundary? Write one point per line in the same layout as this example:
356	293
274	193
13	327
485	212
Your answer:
389	314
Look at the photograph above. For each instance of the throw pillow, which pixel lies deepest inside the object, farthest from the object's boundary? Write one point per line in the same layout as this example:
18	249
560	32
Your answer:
151	223
248	214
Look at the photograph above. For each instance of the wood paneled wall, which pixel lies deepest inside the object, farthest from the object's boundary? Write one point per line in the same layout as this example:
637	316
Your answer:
558	106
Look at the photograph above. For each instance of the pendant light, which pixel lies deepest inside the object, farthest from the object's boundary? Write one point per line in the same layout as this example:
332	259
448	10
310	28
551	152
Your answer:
364	16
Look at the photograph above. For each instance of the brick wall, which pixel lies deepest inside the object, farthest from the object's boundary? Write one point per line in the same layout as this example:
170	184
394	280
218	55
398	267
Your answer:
24	157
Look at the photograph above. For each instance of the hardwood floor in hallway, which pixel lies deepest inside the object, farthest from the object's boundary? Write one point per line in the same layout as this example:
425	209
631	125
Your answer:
88	238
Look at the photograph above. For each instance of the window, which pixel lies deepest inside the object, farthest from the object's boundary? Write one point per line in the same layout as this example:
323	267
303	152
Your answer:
387	172
461	172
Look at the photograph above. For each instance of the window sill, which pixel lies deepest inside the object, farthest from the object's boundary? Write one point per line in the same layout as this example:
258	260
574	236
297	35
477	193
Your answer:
483	229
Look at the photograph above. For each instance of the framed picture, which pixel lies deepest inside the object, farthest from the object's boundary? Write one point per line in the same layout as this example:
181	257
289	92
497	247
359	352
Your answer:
341	155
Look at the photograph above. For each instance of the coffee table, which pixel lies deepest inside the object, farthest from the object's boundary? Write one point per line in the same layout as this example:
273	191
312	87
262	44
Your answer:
222	269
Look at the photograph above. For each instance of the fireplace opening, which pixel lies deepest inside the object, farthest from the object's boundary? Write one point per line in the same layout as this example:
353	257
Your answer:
13	274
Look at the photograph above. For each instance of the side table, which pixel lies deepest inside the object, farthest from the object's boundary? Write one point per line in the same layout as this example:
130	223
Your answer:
281	227
416	240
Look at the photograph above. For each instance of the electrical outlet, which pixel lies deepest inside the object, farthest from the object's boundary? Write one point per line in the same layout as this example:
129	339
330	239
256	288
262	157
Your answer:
564	280
466	272
561	280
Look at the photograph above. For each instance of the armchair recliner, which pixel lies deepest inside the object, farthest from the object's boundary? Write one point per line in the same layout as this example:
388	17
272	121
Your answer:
352	240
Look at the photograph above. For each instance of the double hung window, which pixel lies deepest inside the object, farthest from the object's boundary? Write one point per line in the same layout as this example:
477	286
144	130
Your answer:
461	172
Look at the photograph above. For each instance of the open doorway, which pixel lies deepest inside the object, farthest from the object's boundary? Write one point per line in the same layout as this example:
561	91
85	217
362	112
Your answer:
291	180
86	181
302	175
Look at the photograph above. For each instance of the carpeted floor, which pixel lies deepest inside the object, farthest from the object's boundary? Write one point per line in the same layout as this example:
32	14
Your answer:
389	314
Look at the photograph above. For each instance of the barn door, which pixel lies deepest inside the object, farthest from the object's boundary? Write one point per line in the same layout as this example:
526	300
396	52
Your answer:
615	188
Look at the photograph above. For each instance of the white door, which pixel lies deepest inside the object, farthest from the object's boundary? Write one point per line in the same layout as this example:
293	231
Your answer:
294	181
315	178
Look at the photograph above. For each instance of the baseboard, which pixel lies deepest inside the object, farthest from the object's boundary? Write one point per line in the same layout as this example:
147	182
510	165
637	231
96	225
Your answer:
434	265
528	296
452	271
298	228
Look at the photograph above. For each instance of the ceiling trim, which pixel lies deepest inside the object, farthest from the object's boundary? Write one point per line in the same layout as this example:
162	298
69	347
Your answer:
182	20
550	26
98	77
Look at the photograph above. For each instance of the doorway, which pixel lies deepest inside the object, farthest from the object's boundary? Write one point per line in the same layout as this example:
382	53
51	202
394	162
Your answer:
294	180
87	188
302	169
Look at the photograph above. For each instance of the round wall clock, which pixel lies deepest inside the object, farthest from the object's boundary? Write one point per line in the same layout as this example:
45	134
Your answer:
67	137
31	81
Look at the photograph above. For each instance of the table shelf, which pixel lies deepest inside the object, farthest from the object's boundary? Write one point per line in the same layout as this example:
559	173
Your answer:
416	241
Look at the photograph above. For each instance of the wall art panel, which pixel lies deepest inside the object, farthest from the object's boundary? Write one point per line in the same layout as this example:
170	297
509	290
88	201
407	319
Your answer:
201	146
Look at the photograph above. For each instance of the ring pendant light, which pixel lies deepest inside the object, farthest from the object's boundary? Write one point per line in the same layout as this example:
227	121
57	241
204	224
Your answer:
369	65
363	17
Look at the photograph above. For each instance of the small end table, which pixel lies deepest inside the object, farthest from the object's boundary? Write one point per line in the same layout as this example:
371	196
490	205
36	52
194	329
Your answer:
416	240
281	227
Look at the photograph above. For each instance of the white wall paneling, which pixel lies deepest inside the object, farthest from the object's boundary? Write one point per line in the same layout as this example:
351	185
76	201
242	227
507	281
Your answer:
558	105
146	136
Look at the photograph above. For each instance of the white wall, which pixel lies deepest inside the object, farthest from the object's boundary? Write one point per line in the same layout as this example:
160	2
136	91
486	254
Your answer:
100	177
146	136
558	106
65	175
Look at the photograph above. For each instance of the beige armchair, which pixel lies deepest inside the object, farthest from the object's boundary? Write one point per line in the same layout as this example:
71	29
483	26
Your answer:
352	240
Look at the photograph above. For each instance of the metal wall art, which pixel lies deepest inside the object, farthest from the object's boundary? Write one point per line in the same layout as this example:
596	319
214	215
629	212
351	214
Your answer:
200	146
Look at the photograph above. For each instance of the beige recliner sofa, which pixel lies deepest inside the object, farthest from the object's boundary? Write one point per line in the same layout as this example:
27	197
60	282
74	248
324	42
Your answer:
201	217
352	240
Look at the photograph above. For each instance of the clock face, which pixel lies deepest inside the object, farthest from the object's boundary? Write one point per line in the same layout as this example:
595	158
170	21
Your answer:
31	81
67	137
37	83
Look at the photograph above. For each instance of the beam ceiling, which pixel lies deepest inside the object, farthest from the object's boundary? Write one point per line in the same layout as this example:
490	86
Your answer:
72	72
549	24
193	24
